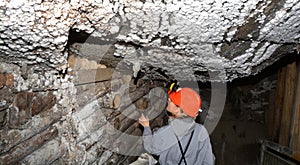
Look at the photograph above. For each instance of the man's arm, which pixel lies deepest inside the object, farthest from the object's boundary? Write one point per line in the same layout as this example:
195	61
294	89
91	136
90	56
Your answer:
147	134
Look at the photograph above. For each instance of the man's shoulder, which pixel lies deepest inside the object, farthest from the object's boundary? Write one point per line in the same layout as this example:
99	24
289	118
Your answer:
201	131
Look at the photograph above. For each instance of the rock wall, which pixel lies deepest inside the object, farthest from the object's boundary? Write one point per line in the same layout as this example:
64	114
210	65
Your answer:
32	106
86	114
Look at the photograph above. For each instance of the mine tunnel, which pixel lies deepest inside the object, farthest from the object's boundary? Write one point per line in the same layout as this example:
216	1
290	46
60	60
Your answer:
75	77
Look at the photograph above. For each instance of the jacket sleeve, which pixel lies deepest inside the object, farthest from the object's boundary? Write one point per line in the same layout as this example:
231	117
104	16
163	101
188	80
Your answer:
148	140
206	153
209	158
161	140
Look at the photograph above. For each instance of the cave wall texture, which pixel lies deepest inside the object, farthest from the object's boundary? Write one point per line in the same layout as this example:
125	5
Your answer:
68	103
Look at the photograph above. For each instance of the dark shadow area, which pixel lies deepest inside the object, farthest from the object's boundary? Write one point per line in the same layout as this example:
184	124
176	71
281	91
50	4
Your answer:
236	139
77	37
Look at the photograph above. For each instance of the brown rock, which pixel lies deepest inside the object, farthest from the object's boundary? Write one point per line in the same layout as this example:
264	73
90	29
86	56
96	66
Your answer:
9	80
41	103
72	61
20	111
2	80
37	105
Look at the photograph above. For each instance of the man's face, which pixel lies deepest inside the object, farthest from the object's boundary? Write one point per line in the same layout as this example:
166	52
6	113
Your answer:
172	108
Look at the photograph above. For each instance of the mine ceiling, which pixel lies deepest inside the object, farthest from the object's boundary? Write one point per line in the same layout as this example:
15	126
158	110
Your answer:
189	40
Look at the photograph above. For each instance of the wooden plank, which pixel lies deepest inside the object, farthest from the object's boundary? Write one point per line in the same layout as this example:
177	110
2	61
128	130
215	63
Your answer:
89	92
295	131
22	150
93	75
278	104
296	155
289	95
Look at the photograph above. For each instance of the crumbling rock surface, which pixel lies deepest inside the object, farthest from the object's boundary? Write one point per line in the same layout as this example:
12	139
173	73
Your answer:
185	39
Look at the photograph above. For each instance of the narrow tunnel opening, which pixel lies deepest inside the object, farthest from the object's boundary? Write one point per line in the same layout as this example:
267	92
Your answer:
249	116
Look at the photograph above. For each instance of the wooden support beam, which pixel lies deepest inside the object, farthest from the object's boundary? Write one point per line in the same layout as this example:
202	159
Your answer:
21	150
89	92
47	154
124	121
129	99
278	104
116	101
289	95
15	137
295	130
93	75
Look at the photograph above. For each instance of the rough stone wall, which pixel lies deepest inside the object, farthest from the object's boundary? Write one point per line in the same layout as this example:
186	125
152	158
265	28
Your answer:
250	102
32	105
88	114
230	38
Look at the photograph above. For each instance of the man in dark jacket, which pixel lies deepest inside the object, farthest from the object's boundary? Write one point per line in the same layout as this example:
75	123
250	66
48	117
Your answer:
182	141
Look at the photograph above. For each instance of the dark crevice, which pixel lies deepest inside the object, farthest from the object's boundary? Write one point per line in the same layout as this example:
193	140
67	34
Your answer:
84	37
77	37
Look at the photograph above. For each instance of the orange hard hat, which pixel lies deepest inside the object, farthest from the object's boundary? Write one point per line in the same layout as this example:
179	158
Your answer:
188	100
